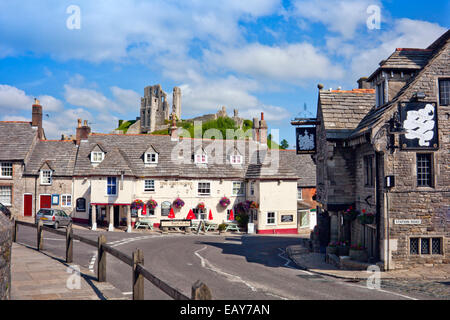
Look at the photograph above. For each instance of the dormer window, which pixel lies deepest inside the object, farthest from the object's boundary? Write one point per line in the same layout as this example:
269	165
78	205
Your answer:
236	159
201	158
46	177
151	157
97	157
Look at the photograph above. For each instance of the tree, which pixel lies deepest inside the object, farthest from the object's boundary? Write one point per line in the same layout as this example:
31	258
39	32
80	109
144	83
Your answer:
284	144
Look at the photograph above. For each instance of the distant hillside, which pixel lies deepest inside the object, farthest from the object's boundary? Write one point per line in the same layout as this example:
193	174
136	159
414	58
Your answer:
222	124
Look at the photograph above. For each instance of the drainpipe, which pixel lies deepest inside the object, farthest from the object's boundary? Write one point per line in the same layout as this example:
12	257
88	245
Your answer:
378	203
35	196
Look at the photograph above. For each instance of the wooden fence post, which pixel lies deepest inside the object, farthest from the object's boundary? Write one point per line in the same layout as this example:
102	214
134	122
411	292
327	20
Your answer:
40	236
138	279
200	291
101	264
69	244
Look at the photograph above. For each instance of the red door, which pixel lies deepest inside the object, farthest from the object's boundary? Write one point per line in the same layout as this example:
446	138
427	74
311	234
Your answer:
46	202
27	205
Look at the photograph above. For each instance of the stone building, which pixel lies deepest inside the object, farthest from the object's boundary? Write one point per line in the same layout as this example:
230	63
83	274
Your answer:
385	151
155	111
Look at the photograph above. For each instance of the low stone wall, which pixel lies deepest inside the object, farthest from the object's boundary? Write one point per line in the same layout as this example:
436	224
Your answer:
5	257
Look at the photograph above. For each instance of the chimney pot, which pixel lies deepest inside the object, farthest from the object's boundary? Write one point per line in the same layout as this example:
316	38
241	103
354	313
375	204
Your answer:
262	115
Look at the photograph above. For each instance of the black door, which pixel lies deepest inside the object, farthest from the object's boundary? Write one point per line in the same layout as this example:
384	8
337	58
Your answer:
116	216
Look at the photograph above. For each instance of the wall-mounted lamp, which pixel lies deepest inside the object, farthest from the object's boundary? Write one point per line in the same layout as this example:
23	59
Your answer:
389	181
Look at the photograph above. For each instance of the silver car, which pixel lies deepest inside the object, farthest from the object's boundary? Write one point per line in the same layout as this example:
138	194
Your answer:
53	217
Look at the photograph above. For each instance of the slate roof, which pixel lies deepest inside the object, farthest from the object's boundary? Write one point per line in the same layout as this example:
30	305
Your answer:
343	110
59	155
125	152
302	164
16	139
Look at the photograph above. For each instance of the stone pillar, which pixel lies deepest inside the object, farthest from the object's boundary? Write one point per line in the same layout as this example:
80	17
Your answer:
94	218
128	210
111	218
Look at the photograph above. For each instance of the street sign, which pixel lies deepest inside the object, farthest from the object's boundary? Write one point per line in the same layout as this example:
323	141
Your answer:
407	221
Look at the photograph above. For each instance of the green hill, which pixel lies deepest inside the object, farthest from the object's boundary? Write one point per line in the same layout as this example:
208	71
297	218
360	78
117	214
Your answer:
221	124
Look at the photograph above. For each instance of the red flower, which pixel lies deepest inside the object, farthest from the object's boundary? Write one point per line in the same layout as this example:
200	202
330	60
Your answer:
364	211
351	208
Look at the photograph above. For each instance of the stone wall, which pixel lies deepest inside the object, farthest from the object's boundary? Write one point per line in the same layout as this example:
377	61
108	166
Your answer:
5	257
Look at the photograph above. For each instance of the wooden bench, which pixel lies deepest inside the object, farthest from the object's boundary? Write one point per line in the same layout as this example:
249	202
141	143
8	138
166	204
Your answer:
232	227
144	222
211	226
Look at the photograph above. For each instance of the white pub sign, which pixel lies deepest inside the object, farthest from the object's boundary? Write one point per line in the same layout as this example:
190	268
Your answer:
407	221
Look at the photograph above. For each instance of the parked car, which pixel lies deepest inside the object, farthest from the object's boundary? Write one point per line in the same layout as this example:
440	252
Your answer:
5	210
53	217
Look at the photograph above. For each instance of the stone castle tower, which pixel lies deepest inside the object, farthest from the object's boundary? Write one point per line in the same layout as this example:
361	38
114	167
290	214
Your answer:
155	108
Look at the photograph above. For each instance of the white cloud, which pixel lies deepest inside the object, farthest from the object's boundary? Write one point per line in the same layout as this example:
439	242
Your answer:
291	62
90	99
127	99
405	33
50	103
13	99
343	17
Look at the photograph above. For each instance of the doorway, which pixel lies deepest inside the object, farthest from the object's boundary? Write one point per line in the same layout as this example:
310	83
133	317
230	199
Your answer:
116	216
45	201
27	205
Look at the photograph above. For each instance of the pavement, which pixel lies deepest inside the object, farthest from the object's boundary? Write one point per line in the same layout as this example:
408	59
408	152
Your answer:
315	262
39	276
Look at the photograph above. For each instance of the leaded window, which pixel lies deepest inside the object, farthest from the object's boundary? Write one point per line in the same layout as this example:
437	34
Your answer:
444	92
424	246
424	170
436	246
414	245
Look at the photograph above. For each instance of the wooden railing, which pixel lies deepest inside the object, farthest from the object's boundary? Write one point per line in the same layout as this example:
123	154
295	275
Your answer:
199	290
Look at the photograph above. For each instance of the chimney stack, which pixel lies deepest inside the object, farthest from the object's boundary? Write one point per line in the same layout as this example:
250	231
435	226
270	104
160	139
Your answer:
364	84
173	129
36	119
83	132
262	130
255	129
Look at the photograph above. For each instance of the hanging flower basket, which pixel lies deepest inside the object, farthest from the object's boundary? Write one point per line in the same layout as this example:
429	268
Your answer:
178	203
254	205
366	217
152	204
224	202
201	206
137	204
350	214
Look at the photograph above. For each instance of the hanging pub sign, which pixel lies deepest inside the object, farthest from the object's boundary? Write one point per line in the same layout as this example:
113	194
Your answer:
419	121
306	140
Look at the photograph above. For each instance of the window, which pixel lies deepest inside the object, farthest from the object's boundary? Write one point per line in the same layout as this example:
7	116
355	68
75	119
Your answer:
380	88
6	195
149	185
111	187
151	158
252	188
150	211
444	92
6	170
424	170
425	246
200	214
46	177
238	188
97	157
299	193
204	188
201	158
368	171
236	159
270	218
254	214
66	200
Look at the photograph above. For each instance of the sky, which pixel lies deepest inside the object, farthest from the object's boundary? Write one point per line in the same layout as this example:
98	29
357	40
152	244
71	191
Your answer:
92	59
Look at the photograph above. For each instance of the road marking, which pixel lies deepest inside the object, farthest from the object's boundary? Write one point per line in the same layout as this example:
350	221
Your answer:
381	290
282	255
92	263
230	277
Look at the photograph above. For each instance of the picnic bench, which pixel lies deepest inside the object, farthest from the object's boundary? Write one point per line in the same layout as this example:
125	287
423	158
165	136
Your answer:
211	226
232	227
145	223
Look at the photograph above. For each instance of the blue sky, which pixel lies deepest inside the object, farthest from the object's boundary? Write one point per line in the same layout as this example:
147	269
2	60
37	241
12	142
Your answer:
253	55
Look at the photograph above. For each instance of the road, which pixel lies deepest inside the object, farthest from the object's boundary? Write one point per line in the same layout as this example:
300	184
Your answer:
238	267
